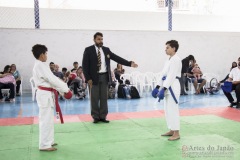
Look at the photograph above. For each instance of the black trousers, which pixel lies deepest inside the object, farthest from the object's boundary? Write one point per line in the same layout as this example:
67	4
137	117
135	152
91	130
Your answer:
99	97
237	91
182	81
7	86
18	86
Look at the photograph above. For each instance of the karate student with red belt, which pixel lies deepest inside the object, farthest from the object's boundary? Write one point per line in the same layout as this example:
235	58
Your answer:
47	97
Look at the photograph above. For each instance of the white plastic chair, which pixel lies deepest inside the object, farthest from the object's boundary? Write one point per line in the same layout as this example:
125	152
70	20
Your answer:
134	78
141	79
158	77
150	79
5	92
34	88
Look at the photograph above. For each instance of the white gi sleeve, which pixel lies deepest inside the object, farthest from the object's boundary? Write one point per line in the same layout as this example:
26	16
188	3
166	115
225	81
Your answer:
54	81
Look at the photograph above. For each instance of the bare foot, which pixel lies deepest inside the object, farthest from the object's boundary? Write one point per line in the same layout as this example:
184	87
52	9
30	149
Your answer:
197	91
169	133
49	149
173	138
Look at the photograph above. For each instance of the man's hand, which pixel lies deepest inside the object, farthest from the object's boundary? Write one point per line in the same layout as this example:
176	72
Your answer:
134	65
90	83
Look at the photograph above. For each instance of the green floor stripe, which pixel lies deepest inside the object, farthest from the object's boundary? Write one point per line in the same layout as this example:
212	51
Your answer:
14	154
202	137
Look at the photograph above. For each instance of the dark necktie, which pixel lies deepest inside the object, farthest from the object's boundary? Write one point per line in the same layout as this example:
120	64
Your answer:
99	60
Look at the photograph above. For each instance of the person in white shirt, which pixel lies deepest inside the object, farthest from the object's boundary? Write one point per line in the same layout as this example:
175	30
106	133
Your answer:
234	77
171	73
47	84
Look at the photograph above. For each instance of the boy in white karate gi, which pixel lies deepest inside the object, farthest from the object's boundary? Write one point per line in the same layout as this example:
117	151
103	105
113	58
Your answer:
171	72
46	82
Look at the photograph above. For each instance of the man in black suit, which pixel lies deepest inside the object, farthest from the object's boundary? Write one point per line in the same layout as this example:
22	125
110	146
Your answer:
97	72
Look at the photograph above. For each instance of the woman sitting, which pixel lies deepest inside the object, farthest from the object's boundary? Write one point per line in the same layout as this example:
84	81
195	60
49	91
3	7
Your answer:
7	81
17	77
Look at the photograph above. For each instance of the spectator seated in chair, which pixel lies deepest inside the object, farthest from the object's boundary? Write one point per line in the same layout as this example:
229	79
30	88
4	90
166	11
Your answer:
82	77
196	81
17	77
118	72
52	66
75	84
7	81
75	67
197	73
234	64
57	72
234	77
64	72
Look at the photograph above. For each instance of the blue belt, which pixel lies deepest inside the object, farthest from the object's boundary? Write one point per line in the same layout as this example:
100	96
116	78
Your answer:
171	91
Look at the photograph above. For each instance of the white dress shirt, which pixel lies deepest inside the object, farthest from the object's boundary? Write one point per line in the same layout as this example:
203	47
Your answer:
103	62
235	74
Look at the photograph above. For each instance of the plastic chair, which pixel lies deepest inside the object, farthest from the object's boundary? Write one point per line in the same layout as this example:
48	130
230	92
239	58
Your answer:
150	79
134	78
34	88
5	92
141	79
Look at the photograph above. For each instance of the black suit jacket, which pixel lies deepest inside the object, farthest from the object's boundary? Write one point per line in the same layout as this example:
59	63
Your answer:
90	61
185	65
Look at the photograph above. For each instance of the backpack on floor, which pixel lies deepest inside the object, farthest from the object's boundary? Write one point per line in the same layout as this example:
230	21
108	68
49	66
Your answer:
121	92
111	92
134	92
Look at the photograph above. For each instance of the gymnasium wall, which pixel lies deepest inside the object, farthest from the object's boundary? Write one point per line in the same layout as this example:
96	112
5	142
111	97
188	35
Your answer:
214	51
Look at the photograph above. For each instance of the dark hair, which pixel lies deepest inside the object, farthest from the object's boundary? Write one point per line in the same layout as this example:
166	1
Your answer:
173	44
233	66
191	57
64	69
75	62
51	63
73	70
80	67
97	34
6	68
39	49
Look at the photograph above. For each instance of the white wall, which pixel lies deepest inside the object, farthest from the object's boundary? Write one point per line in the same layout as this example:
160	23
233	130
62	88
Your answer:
214	51
115	20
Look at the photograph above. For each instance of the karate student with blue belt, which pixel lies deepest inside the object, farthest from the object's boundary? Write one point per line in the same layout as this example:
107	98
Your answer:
170	90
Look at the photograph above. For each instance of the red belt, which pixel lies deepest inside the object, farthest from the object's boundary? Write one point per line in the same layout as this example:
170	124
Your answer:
58	109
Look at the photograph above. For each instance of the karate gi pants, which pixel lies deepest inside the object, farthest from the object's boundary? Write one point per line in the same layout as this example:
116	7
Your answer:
46	105
171	109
